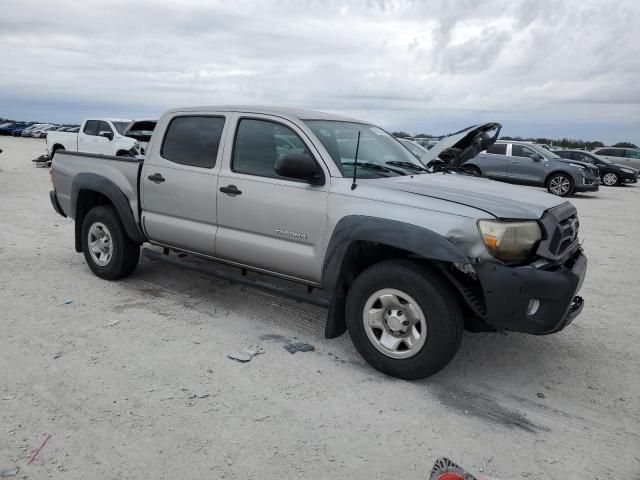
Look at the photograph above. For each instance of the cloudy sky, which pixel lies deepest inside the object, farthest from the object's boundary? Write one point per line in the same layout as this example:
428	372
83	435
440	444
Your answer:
540	67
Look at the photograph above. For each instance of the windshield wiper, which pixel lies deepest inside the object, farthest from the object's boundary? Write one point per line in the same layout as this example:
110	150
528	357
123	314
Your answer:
409	165
374	166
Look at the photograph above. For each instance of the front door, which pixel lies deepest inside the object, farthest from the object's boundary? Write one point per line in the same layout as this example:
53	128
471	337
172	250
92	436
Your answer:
179	182
267	221
526	165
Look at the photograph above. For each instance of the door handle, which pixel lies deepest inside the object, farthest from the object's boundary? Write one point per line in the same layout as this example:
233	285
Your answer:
230	190
156	178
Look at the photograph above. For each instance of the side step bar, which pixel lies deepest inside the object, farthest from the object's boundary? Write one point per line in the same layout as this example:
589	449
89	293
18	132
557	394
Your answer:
207	267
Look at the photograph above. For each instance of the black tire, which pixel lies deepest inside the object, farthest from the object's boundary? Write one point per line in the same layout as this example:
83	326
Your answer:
613	179
125	254
472	170
563	177
436	299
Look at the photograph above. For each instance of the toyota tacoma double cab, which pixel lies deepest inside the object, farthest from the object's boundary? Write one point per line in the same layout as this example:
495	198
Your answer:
409	258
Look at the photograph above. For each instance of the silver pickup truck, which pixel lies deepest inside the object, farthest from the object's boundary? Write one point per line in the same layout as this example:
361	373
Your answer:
409	258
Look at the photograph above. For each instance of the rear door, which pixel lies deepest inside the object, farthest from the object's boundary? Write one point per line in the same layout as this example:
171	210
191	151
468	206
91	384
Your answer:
179	182
526	164
265	221
494	162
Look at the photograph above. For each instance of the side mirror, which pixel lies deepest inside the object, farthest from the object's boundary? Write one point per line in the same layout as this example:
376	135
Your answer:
106	134
300	166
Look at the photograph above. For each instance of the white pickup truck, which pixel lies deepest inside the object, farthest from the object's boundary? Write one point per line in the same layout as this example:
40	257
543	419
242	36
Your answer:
104	136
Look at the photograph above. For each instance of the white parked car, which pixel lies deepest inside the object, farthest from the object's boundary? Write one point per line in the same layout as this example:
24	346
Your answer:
104	136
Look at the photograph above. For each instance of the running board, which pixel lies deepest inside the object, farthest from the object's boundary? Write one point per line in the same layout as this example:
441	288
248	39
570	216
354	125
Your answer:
207	267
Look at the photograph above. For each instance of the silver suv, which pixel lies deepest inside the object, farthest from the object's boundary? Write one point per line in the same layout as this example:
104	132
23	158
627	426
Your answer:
409	258
530	164
629	157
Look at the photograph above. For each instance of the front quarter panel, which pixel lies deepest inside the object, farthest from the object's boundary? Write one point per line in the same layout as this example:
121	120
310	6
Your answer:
429	227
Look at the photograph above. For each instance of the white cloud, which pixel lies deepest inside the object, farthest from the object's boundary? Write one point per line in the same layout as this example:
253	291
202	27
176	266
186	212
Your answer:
541	67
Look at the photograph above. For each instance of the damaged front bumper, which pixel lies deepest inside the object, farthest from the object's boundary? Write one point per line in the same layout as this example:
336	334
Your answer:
538	299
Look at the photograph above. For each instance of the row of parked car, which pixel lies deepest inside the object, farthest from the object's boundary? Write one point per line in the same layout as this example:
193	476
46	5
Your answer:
562	172
34	130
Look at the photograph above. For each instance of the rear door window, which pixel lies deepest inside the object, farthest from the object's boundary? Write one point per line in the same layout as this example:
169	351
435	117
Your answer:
498	149
522	151
193	140
91	127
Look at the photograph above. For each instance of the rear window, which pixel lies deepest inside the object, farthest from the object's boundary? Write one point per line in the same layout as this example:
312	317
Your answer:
193	141
498	149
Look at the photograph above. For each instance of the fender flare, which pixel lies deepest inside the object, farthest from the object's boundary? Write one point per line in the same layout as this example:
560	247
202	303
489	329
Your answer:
419	241
98	183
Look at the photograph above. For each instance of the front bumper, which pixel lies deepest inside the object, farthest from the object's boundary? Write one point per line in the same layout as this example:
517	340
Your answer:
626	177
508	292
588	185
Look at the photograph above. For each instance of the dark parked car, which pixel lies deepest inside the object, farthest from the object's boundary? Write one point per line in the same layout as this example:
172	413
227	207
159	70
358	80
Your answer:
610	173
17	132
12	127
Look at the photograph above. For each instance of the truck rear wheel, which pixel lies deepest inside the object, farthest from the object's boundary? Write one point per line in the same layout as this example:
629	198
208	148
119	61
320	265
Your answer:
107	249
404	319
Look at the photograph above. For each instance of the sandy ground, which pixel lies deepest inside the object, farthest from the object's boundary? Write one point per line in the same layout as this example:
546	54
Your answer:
132	381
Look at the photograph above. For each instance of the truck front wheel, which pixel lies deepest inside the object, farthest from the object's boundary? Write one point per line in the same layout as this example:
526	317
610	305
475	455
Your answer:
404	319
107	249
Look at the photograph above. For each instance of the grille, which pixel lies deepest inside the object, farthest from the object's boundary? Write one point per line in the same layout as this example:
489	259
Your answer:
561	227
564	235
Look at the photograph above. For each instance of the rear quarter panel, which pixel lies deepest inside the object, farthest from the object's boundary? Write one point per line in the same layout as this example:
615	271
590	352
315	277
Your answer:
68	140
122	172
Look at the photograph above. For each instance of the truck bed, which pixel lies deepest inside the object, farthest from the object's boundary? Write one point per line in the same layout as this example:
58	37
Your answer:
122	172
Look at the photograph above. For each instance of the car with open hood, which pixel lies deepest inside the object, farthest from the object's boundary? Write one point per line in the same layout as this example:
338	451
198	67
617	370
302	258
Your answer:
407	259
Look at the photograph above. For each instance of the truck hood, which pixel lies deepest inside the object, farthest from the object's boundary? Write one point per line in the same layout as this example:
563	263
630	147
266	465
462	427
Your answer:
498	199
457	148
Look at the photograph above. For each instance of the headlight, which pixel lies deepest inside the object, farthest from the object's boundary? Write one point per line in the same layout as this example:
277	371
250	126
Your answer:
510	241
628	170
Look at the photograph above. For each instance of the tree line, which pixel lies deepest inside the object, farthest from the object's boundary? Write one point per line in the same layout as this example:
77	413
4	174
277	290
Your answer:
562	142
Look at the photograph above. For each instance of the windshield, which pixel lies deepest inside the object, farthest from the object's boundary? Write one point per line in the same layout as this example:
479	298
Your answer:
120	126
379	154
606	161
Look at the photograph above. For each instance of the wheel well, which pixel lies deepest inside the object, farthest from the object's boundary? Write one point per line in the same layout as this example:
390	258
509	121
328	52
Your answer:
56	147
546	180
363	254
87	199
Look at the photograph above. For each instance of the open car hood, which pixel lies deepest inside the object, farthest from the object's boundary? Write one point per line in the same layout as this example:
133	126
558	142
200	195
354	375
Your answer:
457	148
140	130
